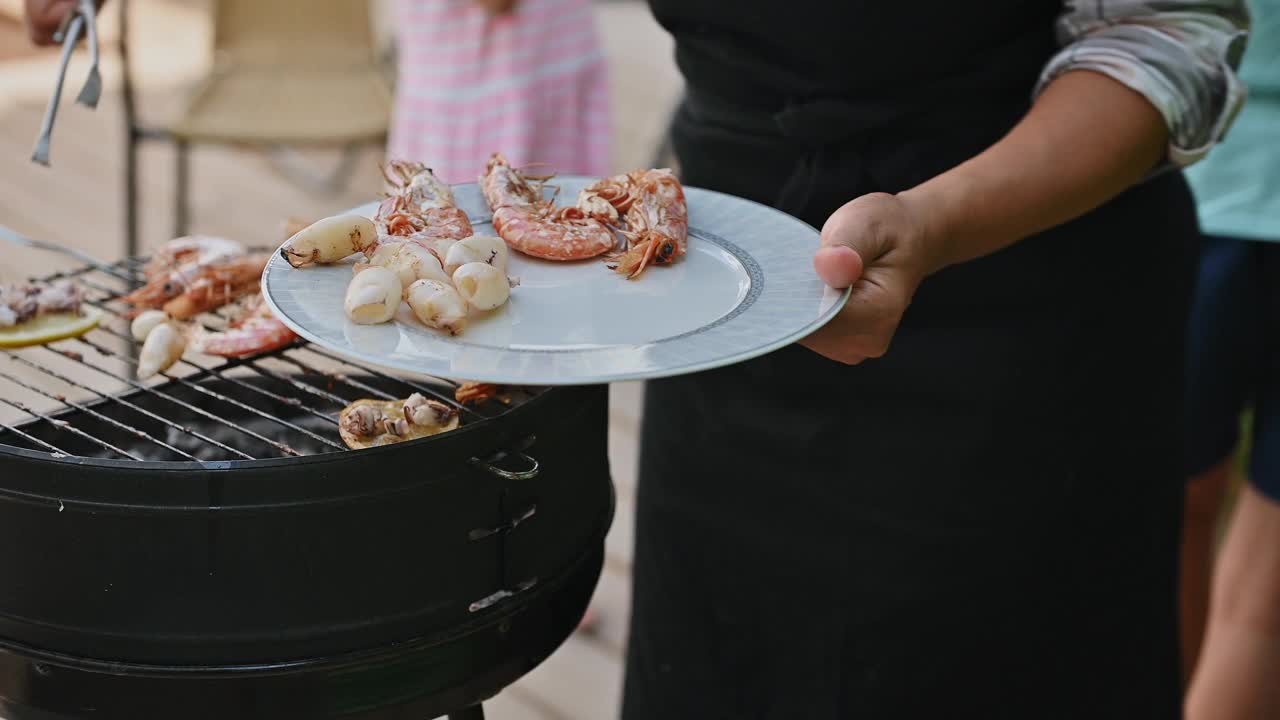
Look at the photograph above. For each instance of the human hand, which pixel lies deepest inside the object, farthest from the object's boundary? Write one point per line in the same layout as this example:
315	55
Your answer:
878	245
497	7
44	17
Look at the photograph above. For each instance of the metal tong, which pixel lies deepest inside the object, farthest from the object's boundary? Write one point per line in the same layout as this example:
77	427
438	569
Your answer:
84	18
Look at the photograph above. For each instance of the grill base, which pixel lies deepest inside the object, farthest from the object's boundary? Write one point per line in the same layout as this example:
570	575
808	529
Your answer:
202	546
411	681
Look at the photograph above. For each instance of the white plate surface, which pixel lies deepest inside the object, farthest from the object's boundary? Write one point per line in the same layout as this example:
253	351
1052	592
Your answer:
745	287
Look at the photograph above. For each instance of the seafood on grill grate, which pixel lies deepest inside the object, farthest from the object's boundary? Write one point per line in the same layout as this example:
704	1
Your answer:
165	339
536	227
256	331
470	393
191	251
40	314
164	346
185	282
218	286
145	322
20	303
372	423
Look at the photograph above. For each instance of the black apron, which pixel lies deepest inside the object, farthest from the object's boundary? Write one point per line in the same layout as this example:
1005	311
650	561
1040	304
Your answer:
982	523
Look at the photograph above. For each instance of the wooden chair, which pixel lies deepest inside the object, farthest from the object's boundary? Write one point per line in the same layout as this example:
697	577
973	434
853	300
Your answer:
285	74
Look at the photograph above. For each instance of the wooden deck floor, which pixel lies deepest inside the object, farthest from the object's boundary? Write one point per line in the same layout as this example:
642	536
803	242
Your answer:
238	193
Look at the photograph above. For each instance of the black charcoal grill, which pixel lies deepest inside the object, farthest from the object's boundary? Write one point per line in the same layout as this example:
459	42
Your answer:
204	546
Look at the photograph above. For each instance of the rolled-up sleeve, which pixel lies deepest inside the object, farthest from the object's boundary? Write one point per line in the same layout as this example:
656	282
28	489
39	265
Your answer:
1181	55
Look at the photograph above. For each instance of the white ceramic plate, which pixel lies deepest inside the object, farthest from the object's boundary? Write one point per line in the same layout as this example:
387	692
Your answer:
745	287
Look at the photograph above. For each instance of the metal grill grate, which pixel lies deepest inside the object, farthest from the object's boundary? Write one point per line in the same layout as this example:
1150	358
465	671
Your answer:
79	396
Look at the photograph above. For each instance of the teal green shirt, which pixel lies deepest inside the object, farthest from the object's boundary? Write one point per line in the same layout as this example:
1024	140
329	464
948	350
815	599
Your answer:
1237	186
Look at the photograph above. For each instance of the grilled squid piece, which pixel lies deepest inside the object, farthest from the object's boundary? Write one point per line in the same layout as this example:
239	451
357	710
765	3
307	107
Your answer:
147	321
372	423
477	249
163	347
408	260
373	296
439	245
330	240
438	305
483	286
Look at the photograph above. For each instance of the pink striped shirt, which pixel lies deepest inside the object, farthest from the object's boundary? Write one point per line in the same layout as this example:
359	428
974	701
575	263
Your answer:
532	85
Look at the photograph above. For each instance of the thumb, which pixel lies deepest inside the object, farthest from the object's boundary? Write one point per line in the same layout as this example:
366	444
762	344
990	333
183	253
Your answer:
839	266
855	237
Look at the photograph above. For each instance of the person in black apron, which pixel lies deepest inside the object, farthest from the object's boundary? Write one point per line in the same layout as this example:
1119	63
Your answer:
983	520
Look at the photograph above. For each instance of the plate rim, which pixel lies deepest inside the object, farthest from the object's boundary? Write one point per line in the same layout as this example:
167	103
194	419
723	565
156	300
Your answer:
809	327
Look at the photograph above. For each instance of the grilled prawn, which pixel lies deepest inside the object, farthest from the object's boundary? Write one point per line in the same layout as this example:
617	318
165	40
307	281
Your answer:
193	288
257	331
535	227
419	205
657	217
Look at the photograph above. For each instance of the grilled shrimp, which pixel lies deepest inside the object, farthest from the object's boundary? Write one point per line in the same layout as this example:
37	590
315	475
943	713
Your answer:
178	263
218	286
449	223
189	291
535	227
190	252
415	187
419	201
609	199
474	392
257	331
657	221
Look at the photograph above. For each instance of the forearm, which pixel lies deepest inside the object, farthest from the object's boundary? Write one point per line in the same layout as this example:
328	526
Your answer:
1085	140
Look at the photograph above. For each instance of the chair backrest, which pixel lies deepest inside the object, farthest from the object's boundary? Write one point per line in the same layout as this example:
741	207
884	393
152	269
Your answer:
313	33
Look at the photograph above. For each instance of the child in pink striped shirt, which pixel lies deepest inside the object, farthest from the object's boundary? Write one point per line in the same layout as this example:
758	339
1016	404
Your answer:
523	77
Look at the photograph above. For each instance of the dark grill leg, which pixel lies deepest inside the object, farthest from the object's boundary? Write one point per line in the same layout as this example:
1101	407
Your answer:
475	712
131	139
180	209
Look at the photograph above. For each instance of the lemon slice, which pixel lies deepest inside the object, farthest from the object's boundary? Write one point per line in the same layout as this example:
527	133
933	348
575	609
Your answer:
47	328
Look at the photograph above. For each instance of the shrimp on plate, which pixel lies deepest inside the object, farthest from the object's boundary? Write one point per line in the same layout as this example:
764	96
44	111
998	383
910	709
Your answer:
419	206
536	227
656	215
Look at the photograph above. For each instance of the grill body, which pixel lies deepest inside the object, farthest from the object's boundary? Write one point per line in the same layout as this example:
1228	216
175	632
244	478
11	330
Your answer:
398	582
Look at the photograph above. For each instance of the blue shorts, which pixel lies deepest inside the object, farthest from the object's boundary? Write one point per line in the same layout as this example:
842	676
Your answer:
1234	358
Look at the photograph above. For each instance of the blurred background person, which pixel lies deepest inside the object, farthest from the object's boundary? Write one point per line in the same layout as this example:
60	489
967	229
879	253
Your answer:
524	77
1234	366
